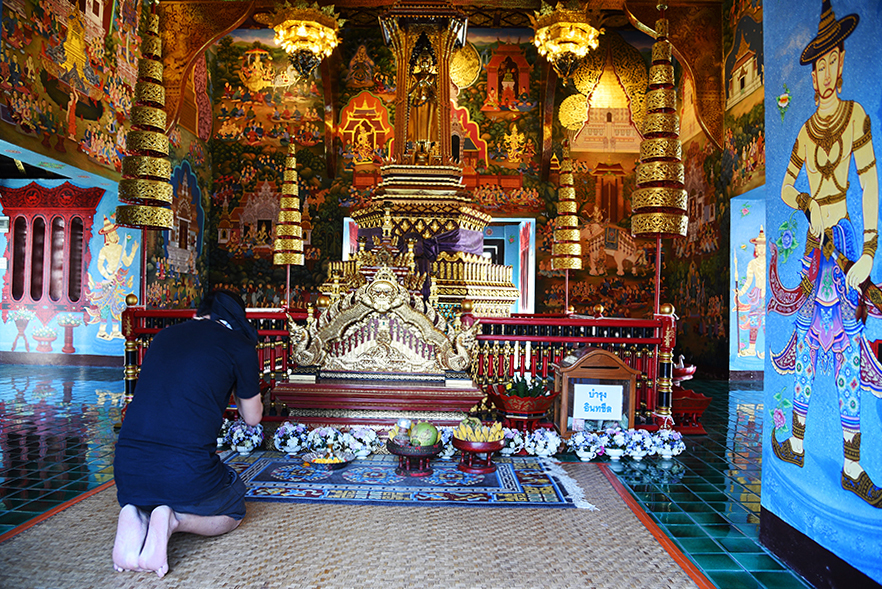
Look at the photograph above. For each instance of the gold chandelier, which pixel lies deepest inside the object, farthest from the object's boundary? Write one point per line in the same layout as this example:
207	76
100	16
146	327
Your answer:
307	33
564	35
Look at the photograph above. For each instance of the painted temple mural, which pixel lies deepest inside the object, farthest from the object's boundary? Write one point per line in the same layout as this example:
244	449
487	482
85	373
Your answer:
822	463
747	281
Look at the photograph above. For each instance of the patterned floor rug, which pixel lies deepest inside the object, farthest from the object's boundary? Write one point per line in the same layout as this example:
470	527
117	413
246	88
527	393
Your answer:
518	482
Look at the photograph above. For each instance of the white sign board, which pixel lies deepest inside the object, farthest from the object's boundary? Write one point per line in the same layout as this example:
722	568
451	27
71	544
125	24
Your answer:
597	401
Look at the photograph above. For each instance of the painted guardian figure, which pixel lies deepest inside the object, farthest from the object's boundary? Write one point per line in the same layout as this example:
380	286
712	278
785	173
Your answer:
839	254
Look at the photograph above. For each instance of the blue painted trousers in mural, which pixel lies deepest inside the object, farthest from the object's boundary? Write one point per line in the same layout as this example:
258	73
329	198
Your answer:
827	334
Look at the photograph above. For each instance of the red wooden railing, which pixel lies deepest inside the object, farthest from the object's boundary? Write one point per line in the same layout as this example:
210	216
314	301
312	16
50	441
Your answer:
507	346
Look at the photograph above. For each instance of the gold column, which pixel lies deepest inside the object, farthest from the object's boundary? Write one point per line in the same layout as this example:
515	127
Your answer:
145	187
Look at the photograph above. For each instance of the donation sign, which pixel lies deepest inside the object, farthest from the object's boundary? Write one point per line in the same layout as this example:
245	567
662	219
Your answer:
597	401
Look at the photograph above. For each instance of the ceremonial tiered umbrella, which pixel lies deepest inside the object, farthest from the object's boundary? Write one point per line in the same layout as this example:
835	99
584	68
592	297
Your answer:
659	203
288	244
145	190
566	253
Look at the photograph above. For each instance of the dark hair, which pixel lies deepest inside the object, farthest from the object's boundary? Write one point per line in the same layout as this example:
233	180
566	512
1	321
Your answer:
208	300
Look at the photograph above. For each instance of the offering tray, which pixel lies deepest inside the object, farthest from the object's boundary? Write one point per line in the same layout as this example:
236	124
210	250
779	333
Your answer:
477	457
312	459
414	460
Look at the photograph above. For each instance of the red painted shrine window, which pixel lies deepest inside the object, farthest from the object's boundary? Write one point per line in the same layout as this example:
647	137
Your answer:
47	253
40	261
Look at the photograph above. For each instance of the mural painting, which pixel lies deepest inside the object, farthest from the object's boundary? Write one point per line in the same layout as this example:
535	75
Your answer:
67	74
73	303
747	326
617	267
262	109
823	465
744	160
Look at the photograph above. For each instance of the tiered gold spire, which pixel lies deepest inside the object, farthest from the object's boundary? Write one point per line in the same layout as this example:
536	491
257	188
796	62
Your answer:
659	203
566	253
146	170
288	245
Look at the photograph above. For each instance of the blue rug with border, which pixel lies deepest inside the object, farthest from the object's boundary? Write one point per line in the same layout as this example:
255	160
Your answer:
519	481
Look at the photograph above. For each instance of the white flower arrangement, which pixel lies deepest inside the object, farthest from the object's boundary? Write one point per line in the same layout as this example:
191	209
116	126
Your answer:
362	441
616	438
640	444
445	435
245	438
21	315
325	438
542	442
586	445
514	441
290	437
223	434
668	442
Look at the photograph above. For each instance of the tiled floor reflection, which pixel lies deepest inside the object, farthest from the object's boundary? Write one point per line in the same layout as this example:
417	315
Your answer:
57	436
708	499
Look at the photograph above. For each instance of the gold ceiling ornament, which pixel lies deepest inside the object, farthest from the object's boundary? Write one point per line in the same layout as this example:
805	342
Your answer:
659	202
465	66
288	244
307	33
144	189
564	35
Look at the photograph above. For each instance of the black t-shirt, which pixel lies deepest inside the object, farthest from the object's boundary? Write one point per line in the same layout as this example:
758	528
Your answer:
165	454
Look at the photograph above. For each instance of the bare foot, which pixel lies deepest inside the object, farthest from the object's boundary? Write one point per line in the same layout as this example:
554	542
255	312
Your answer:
154	555
131	529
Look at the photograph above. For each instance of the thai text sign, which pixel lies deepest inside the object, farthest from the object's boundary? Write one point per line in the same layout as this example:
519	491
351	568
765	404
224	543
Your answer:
595	401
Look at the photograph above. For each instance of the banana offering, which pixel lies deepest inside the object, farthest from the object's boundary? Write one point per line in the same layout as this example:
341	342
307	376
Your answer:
472	430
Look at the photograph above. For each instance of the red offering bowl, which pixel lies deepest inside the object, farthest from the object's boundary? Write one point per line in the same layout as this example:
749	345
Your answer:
414	460
477	456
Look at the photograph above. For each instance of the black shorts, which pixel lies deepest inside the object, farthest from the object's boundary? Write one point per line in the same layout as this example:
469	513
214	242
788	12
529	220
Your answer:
230	500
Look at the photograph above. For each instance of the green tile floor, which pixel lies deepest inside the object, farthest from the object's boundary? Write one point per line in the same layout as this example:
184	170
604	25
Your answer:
57	436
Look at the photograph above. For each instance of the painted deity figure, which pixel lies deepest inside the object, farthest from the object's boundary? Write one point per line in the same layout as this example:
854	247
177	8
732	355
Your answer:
423	100
107	298
829	332
754	289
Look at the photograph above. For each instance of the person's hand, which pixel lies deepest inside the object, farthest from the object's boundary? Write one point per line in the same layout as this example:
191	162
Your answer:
816	222
859	272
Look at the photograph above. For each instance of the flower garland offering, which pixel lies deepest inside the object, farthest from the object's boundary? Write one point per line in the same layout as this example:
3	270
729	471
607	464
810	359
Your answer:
514	441
290	437
21	315
245	438
542	442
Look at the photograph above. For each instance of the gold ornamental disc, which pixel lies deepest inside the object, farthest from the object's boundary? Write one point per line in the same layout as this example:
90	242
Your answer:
465	66
573	112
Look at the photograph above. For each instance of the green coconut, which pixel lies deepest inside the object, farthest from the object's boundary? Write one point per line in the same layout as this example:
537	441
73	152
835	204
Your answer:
423	434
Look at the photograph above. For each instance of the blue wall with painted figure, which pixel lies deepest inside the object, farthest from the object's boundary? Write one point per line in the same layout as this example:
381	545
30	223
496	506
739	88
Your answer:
814	452
747	272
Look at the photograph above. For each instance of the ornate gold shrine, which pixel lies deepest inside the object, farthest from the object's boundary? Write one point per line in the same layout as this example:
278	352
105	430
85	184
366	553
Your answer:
383	331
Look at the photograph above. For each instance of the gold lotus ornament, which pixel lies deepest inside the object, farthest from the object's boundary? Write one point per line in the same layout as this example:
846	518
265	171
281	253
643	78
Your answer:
564	35
307	33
